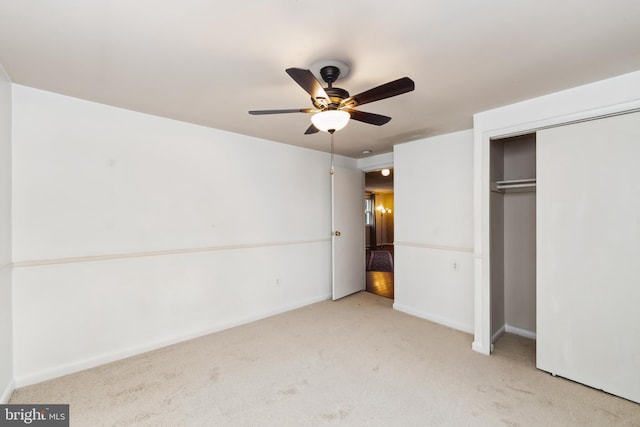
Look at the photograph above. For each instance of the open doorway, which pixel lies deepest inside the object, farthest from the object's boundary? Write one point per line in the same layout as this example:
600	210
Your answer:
379	224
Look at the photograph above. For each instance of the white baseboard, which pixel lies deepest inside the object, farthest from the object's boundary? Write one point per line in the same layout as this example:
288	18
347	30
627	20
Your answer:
7	392
80	365
506	328
500	332
433	318
519	331
476	346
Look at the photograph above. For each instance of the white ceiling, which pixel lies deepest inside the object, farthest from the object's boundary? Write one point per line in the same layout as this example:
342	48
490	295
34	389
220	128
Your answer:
209	62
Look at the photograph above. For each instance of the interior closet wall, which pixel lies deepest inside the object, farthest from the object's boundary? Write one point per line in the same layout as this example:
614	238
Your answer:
497	241
513	235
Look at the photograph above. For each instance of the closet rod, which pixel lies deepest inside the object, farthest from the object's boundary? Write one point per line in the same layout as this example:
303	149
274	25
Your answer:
513	184
516	183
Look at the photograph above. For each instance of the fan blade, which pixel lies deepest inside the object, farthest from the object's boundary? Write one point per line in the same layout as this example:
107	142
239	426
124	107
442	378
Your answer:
293	110
308	82
371	118
311	129
387	90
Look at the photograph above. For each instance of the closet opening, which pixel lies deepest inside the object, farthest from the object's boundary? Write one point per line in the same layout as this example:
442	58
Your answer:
513	238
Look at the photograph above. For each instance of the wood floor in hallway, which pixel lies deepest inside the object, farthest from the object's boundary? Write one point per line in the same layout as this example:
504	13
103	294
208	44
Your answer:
380	283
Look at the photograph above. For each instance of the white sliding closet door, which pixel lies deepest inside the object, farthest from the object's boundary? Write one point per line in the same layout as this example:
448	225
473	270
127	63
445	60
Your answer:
588	253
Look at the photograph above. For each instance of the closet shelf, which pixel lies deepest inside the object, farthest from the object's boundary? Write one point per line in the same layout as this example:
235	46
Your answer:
516	185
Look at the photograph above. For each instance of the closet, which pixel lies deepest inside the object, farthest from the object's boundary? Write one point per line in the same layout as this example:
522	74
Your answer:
564	247
513	236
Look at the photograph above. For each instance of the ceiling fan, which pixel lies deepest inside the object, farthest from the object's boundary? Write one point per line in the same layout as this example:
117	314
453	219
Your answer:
333	106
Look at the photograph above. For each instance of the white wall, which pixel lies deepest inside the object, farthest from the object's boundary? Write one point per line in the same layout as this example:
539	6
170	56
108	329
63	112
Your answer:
133	231
376	162
601	98
6	341
433	180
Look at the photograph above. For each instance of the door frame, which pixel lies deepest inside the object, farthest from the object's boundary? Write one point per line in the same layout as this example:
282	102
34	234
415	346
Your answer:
365	165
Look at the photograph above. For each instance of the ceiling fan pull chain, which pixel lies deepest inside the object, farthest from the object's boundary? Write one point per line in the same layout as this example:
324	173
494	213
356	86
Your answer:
331	170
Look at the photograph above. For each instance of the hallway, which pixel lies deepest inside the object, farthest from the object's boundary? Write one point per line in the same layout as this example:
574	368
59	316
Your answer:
380	282
379	209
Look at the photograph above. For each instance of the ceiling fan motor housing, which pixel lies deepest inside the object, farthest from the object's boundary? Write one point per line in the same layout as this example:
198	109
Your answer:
330	74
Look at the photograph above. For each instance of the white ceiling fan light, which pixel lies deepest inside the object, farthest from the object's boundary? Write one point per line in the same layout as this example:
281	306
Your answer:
331	120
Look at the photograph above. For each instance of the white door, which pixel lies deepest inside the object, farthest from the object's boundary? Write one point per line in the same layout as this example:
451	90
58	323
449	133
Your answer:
347	241
588	293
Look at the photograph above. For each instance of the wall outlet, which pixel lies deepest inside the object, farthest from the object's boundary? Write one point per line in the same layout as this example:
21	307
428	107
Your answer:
455	265
276	281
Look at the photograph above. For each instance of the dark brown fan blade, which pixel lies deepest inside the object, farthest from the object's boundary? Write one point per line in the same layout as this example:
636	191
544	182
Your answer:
308	82
292	110
311	129
371	118
387	90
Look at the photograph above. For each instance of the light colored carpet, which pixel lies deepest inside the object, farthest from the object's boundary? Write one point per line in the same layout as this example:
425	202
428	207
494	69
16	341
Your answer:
352	362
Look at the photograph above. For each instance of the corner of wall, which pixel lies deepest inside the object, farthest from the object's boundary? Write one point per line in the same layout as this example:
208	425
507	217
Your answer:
7	392
7	383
